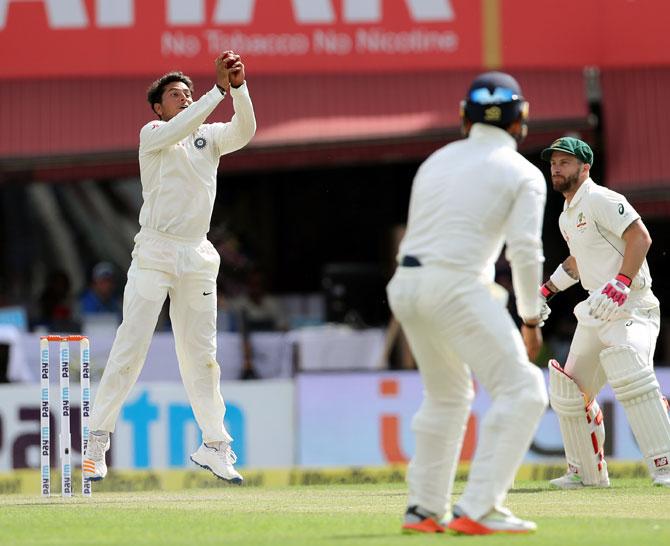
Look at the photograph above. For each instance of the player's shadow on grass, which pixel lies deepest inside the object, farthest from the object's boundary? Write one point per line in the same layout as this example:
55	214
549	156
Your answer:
357	537
529	489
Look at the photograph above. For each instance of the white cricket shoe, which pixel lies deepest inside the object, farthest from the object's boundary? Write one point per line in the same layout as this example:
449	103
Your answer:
219	458
497	521
572	480
93	465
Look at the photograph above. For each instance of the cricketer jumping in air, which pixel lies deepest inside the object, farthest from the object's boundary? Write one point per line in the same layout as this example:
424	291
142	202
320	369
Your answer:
179	155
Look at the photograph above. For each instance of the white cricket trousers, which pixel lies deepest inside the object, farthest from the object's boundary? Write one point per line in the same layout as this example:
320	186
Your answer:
638	328
185	270
456	327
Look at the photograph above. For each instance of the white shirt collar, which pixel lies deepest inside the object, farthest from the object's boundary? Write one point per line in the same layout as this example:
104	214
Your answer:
483	131
584	188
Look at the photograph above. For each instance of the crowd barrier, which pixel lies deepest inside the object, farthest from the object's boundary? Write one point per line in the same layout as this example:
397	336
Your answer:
313	420
275	354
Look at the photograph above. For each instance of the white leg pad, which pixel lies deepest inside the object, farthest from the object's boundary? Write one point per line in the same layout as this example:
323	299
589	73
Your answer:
636	388
581	427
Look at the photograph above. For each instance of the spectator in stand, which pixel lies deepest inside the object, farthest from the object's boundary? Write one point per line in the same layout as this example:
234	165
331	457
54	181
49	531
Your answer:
101	295
55	306
256	311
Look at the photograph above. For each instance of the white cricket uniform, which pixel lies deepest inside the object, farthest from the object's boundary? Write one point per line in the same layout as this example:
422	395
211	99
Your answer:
172	256
468	199
592	225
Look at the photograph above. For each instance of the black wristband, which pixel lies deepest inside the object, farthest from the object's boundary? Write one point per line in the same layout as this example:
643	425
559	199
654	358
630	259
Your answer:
221	89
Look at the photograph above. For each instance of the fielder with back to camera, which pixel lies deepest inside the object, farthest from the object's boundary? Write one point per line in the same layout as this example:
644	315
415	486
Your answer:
617	325
468	199
179	156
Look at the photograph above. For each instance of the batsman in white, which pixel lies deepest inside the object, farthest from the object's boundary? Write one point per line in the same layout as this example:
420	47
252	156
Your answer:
468	199
179	156
617	324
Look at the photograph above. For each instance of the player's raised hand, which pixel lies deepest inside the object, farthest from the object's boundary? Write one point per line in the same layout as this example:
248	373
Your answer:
225	64
236	70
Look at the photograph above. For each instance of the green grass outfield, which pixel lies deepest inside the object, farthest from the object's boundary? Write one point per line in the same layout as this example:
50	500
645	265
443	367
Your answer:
631	513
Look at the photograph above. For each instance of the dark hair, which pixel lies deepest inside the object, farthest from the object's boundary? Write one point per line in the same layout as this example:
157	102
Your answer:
155	91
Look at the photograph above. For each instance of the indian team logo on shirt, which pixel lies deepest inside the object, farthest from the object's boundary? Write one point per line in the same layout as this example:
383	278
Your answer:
200	143
581	221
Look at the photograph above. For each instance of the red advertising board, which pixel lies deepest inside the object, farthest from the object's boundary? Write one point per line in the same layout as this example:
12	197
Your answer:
577	33
51	38
92	38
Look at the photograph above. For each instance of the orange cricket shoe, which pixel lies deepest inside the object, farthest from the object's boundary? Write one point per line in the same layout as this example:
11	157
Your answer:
420	520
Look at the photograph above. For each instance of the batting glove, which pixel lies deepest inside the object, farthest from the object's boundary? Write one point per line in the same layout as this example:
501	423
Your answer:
605	302
545	310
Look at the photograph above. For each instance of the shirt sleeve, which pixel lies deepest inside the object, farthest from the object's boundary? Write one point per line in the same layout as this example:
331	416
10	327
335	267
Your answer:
157	135
524	245
236	133
612	211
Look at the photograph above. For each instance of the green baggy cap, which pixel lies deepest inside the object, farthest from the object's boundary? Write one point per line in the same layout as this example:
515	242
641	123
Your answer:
573	146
